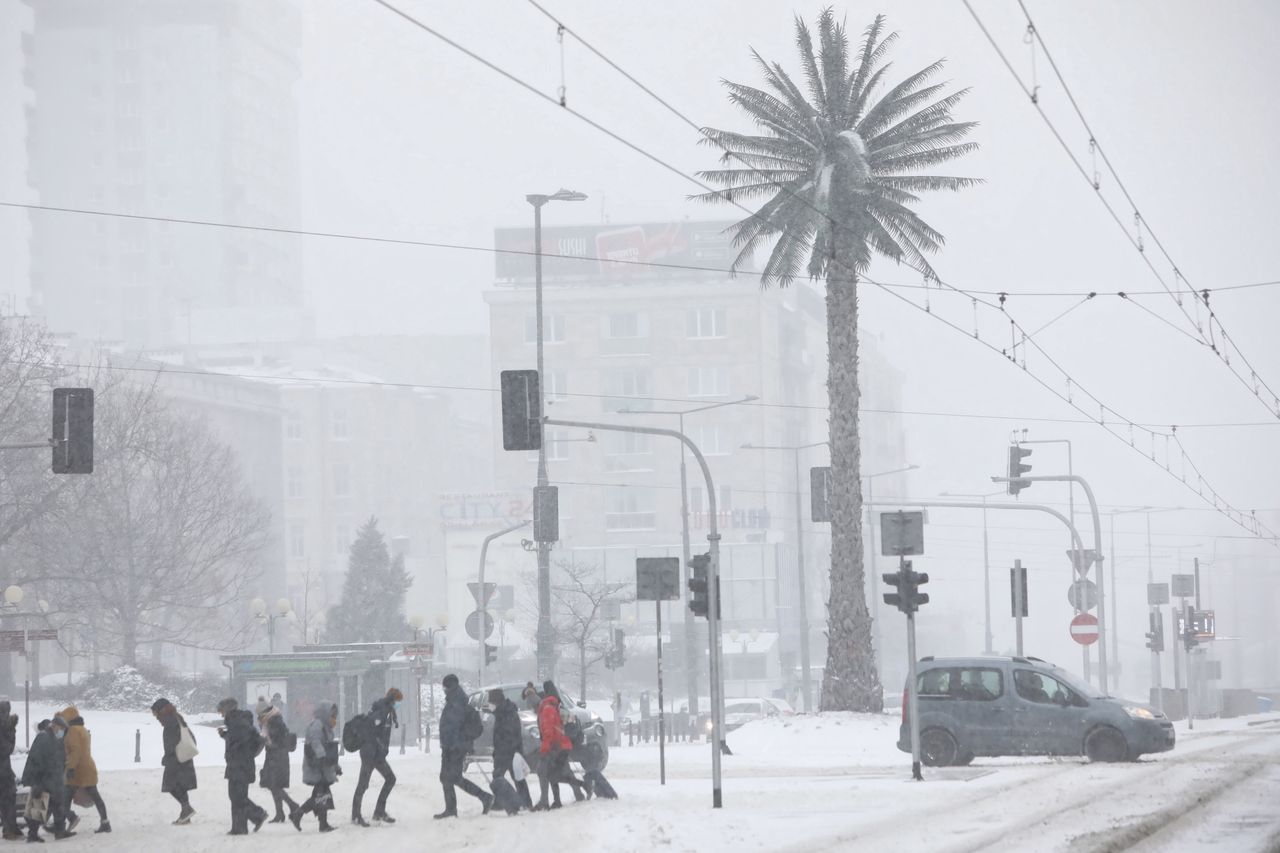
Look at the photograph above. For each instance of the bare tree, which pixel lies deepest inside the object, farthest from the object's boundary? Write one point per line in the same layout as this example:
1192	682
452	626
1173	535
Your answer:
577	596
162	542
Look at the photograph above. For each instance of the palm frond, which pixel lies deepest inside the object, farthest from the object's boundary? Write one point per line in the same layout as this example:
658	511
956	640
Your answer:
925	140
865	77
776	77
769	112
863	93
787	256
834	58
901	106
882	111
805	43
926	183
764	146
924	159
939	112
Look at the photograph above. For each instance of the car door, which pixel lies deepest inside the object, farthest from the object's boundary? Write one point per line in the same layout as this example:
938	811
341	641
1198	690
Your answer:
1048	715
980	704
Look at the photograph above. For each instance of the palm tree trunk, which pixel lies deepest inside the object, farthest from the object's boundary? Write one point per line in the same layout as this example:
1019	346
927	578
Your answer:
850	681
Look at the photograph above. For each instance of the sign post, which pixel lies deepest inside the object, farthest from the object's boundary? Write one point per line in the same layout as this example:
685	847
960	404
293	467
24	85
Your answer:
1157	594
658	580
1018	589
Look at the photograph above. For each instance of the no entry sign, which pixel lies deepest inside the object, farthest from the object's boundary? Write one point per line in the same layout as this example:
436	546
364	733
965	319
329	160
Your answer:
1084	629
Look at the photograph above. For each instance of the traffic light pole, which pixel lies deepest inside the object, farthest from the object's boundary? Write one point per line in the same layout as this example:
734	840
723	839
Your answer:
713	586
662	708
913	705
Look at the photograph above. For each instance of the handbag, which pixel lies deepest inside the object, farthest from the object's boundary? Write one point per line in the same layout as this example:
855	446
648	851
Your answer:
519	767
36	808
82	798
186	749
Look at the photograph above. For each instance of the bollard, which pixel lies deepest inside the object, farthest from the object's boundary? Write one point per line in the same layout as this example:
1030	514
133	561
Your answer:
137	746
631	733
403	732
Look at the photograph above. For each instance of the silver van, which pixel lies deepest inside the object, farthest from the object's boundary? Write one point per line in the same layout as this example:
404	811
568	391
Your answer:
1024	706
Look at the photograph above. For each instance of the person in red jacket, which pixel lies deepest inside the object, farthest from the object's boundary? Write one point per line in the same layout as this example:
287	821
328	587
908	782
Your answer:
553	767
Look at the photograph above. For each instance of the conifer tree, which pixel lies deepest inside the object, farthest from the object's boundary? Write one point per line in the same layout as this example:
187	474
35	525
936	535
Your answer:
372	605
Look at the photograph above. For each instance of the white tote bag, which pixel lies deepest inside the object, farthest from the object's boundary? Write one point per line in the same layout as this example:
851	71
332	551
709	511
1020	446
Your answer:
519	767
185	750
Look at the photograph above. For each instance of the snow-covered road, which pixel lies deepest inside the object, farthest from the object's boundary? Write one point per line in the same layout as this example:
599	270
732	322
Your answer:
830	783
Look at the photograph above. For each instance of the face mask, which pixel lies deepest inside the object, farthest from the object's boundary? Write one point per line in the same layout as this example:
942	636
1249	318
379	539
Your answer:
59	734
395	705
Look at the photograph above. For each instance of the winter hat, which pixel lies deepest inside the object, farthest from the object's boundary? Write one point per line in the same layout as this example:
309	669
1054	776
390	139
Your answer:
42	725
549	689
496	695
59	721
263	706
450	681
227	704
159	705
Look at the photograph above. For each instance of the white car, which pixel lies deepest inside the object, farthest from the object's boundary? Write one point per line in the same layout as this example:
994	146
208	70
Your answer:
739	712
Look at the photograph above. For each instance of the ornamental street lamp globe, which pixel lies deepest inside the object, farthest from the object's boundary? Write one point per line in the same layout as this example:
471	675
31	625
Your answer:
13	595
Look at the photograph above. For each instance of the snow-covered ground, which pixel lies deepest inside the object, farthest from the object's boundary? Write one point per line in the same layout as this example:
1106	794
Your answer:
833	782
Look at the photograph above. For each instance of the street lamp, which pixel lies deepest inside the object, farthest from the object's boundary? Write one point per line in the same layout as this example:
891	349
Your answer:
442	622
806	688
986	560
546	636
259	609
871	563
13	596
690	626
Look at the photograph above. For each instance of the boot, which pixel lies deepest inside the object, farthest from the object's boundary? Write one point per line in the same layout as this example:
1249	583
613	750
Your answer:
184	816
358	820
33	831
383	817
446	813
295	818
105	826
486	800
324	821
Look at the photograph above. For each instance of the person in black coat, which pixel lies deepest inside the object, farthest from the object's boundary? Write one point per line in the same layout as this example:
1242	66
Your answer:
8	782
454	747
242	745
45	773
375	744
275	766
179	776
508	741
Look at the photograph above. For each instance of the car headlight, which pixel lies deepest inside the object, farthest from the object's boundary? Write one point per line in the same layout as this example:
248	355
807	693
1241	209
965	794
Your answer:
1138	713
534	733
710	725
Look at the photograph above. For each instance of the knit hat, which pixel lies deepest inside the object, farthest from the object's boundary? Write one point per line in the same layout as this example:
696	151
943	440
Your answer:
227	704
450	681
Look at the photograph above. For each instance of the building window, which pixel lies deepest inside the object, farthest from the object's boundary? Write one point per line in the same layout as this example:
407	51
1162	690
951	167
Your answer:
557	384
625	333
708	381
342	539
628	388
705	323
292	425
341	480
627	451
293	481
552	328
698	502
630	508
340	427
297	539
556	442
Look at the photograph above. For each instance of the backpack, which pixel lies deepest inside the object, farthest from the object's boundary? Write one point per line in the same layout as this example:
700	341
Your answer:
573	731
353	732
472	725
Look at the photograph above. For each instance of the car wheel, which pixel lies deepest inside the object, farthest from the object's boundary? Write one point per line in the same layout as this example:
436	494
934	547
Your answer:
965	759
1106	744
938	748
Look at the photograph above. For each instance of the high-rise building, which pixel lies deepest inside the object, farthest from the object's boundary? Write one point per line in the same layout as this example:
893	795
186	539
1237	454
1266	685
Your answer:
159	108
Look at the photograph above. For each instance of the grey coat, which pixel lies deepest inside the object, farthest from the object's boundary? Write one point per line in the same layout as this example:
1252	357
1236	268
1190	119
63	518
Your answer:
320	759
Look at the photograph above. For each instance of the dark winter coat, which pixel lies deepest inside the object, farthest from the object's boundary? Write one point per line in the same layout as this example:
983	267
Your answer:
381	719
46	763
8	739
452	717
178	775
275	766
551	726
242	745
82	770
320	756
508	735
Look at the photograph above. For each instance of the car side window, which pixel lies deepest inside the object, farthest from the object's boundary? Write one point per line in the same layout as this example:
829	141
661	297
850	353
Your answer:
936	683
981	684
1042	689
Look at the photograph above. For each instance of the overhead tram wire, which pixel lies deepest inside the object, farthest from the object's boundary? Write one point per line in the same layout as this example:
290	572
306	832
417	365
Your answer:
1255	383
1249	523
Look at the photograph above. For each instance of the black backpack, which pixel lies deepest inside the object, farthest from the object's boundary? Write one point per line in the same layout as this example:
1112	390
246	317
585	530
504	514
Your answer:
472	725
353	732
573	731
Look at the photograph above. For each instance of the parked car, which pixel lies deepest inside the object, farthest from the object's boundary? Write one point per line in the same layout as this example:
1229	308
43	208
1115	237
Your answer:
593	754
783	706
739	712
1024	706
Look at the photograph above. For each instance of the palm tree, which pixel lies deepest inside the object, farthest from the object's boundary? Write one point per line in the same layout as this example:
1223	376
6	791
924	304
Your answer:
838	171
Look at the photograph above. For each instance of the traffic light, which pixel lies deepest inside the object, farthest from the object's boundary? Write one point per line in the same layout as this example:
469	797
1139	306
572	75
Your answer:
521	418
908	597
490	654
619	646
1017	468
73	430
1189	632
699	566
1155	637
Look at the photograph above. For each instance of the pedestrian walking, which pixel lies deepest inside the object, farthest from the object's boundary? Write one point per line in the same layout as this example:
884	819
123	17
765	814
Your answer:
242	743
460	725
8	782
275	765
553	767
375	745
179	758
508	742
320	767
43	775
82	770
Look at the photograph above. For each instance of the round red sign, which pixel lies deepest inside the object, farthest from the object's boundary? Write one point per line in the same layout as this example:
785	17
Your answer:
1084	629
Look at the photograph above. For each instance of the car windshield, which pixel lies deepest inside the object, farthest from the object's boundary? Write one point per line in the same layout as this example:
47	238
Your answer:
512	692
1075	684
742	708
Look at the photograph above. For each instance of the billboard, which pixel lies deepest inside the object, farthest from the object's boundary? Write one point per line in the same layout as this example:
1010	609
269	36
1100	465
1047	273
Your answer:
647	251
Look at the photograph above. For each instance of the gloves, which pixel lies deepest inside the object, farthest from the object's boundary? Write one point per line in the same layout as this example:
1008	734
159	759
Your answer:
338	770
37	791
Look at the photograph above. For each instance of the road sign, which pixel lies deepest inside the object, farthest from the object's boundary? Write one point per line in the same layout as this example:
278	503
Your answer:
489	589
10	643
1157	593
820	493
473	625
419	650
1184	586
1084	629
1082	560
1018	591
1203	625
1083	595
657	578
901	533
